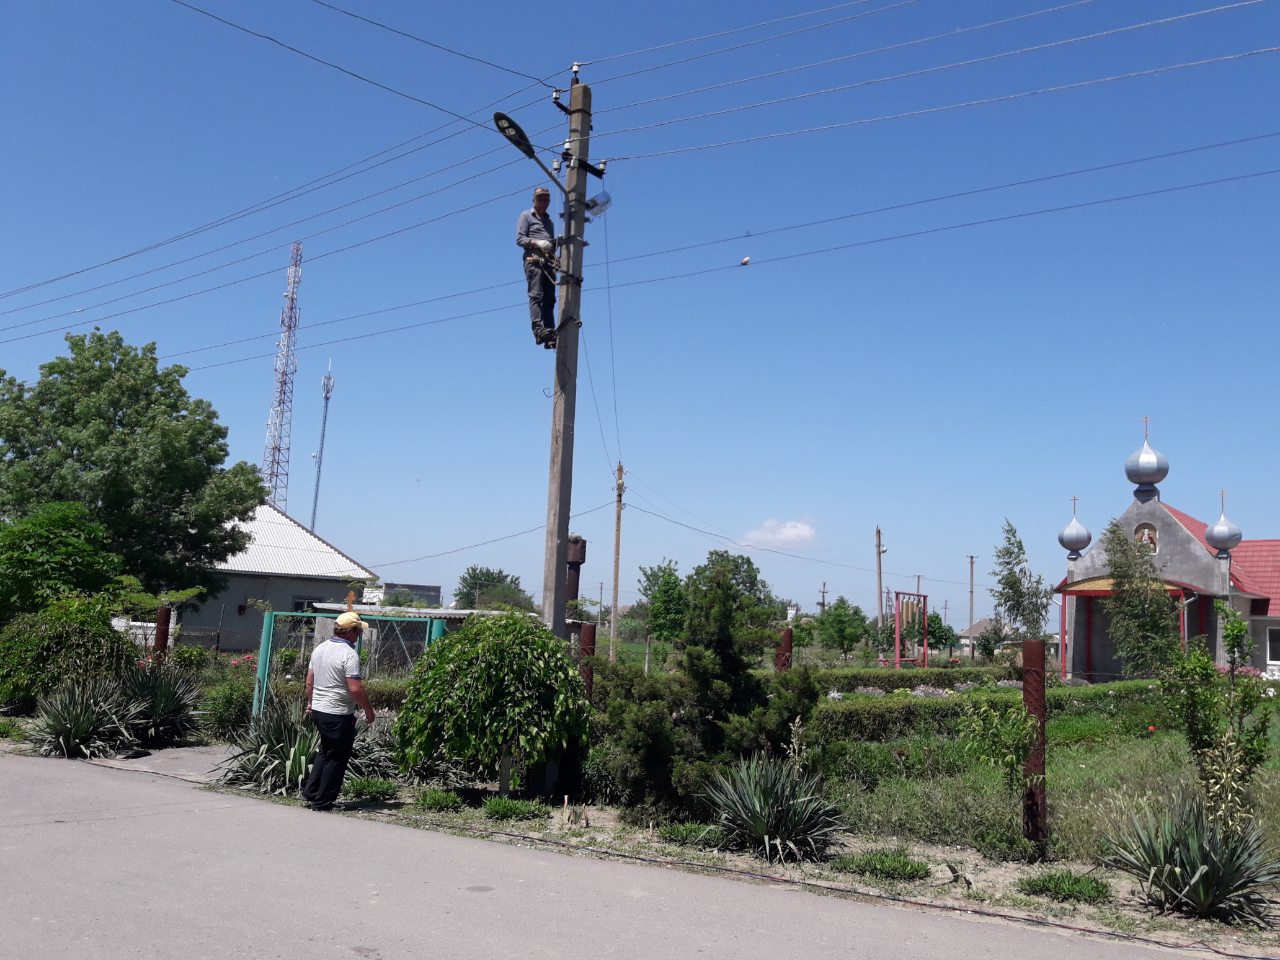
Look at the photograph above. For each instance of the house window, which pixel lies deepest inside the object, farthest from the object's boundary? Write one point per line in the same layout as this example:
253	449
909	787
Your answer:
1273	644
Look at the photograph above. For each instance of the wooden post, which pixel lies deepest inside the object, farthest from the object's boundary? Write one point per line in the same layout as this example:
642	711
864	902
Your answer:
782	652
161	643
586	650
1035	819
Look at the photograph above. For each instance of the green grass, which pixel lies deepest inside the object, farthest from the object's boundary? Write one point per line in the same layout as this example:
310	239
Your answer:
10	729
439	801
1066	887
508	808
371	788
700	835
884	864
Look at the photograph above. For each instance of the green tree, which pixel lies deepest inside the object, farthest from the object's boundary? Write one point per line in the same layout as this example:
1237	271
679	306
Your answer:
1142	618
107	427
842	626
1021	597
941	636
53	551
486	588
668	606
500	690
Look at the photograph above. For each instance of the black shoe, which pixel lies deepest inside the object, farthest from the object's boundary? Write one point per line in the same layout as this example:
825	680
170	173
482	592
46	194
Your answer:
320	807
544	334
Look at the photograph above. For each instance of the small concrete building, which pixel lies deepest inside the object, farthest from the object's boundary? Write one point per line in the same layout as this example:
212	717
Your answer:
1199	564
285	568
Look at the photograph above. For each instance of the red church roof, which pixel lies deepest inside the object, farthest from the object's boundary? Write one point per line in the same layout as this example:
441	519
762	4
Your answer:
1255	564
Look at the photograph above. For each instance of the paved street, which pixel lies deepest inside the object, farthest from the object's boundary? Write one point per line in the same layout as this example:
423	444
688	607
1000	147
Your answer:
104	864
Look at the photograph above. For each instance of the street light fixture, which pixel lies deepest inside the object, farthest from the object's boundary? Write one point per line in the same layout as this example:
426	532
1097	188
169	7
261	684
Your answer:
520	140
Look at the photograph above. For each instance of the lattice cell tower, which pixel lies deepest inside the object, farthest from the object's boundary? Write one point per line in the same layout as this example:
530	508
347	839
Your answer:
275	461
327	386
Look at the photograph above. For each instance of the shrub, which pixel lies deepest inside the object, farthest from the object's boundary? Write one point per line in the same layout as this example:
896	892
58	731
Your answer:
771	807
373	789
884	863
1187	862
166	696
1066	887
849	679
439	801
285	660
509	808
703	835
373	755
84	719
190	660
11	729
274	753
69	640
501	688
226	708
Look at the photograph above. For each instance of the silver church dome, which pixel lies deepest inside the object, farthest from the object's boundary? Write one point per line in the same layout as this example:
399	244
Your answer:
1146	465
1223	536
1075	536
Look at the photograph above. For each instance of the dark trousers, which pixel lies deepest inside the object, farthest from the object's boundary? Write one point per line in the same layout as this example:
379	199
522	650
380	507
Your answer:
337	734
542	295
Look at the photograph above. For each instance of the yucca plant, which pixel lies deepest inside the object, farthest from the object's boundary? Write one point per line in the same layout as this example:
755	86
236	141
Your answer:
1185	861
274	754
84	719
373	789
509	808
771	807
374	752
167	695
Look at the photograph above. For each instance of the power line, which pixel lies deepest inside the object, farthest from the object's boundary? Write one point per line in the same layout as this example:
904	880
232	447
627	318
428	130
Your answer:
925	71
332	66
723	33
254	256
846	246
613	365
608	458
945	107
849	56
754	43
431	43
231	283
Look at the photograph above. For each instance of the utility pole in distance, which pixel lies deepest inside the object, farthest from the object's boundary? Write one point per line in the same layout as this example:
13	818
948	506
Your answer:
617	556
973	646
822	604
880	552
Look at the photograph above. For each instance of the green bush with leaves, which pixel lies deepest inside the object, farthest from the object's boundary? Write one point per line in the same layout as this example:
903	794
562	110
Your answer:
1000	738
773	809
11	729
226	707
499	691
1066	886
371	789
884	864
191	660
274	753
1185	861
83	719
71	639
167	697
704	836
439	801
509	808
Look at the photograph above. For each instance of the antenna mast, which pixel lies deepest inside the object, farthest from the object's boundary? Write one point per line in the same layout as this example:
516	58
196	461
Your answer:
275	461
327	385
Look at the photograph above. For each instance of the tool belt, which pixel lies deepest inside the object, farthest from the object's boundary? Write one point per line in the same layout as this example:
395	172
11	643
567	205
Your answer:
545	260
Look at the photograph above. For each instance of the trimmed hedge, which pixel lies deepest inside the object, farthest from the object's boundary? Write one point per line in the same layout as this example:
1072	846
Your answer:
847	679
893	717
386	694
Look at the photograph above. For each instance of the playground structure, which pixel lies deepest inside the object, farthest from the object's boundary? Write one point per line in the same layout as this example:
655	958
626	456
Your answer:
910	608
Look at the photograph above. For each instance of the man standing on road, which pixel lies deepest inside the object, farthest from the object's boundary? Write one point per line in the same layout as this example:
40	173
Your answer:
334	689
536	236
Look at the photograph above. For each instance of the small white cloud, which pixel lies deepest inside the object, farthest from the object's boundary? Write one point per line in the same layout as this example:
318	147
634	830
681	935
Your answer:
781	533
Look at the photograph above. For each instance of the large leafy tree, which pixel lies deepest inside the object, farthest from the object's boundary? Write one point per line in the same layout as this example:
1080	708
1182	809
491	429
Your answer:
661	589
107	427
51	552
487	588
1021	597
1142	616
842	626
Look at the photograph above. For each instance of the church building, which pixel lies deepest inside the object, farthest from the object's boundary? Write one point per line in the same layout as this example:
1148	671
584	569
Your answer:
1199	564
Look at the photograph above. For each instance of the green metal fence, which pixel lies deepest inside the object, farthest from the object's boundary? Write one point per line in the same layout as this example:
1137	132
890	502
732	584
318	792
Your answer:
391	645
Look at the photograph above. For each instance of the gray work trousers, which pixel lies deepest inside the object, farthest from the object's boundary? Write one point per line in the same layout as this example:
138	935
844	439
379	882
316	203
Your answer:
542	295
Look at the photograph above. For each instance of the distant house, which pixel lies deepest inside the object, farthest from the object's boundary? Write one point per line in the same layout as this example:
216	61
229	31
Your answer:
403	594
285	568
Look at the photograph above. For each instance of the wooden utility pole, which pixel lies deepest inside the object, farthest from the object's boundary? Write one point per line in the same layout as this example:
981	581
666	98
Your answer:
560	481
617	555
822	604
880	551
945	605
973	646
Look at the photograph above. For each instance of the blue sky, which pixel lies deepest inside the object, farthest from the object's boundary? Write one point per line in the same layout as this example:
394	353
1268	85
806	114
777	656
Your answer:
929	377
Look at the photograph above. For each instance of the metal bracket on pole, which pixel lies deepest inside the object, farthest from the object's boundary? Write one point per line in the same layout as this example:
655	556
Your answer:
555	98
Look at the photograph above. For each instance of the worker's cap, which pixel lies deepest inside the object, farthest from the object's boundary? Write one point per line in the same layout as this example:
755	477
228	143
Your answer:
541	192
349	621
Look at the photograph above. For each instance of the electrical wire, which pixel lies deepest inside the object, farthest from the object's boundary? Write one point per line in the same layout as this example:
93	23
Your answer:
925	71
846	57
613	364
1005	98
976	191
722	33
846	246
231	283
755	43
431	43
271	249
608	459
332	66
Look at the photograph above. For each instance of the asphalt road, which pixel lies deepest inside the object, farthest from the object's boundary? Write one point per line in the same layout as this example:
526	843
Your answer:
104	864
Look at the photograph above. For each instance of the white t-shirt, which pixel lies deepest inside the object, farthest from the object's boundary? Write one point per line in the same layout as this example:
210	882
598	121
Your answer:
332	662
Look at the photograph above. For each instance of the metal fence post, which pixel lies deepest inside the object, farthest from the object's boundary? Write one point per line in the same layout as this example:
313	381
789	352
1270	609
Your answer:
264	660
